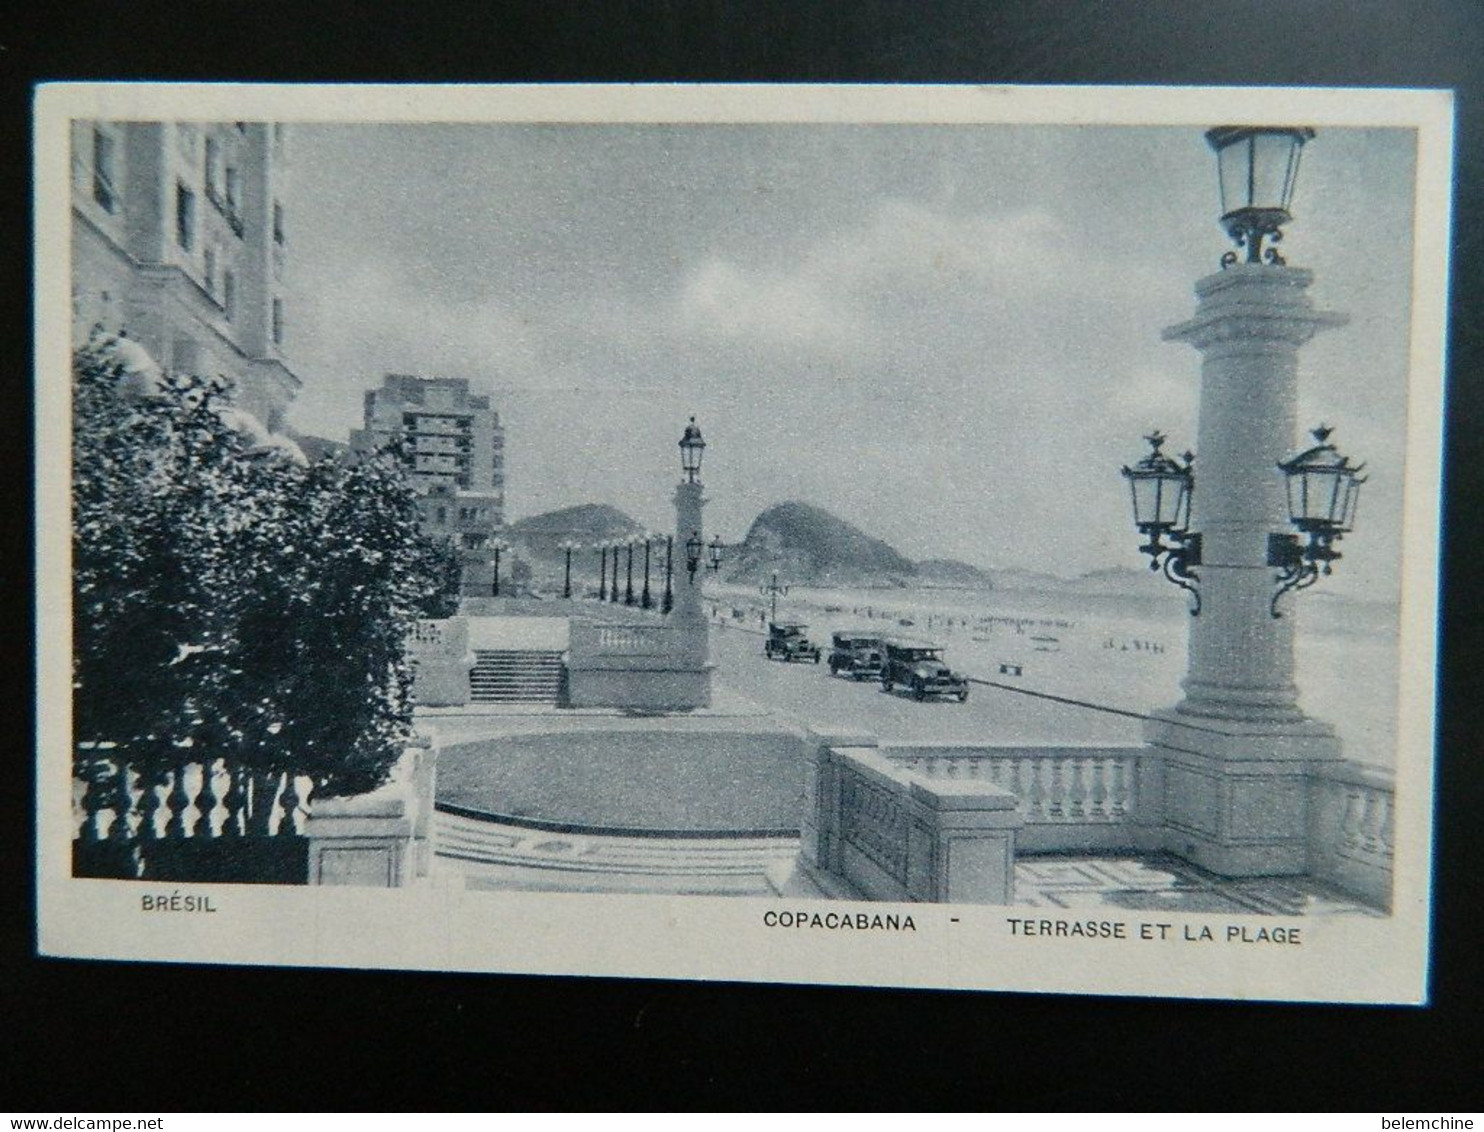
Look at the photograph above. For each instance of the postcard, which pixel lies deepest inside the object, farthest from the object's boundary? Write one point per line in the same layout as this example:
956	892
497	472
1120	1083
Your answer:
963	537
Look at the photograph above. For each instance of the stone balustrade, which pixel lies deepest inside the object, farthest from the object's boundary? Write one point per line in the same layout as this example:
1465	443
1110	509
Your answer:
895	836
1070	798
378	840
439	654
644	666
1351	816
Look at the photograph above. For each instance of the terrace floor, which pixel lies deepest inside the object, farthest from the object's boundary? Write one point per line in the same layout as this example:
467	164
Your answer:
487	855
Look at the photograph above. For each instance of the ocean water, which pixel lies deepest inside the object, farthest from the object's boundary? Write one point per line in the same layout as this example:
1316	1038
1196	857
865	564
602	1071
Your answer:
1116	651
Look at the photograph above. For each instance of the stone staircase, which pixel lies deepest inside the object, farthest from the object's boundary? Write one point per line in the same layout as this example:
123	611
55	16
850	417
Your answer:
495	854
507	676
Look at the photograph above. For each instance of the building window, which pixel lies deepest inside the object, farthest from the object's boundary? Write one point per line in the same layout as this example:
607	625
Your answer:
229	293
473	542
213	170
208	258
278	223
103	179
185	216
278	322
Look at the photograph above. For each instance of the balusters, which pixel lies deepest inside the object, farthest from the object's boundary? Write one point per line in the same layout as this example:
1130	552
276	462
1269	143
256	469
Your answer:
1077	792
1099	792
1370	824
149	804
1120	788
1037	768
289	800
235	802
206	800
122	802
177	802
1054	811
1351	823
1388	828
93	802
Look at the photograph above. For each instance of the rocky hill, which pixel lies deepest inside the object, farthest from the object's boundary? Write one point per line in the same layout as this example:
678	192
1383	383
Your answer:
810	546
542	535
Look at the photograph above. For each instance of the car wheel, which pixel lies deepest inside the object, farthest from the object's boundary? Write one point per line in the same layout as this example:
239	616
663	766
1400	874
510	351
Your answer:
963	697
886	683
918	693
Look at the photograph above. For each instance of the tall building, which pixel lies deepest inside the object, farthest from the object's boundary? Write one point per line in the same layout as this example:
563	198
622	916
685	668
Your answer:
178	240
457	453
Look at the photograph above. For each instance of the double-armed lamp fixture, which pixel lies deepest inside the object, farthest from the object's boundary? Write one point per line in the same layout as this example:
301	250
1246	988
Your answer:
1323	489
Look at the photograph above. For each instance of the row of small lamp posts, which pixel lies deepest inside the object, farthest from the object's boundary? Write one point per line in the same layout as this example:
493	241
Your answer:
616	553
1257	170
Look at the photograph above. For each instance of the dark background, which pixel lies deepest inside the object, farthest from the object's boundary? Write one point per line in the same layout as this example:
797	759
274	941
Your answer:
118	1037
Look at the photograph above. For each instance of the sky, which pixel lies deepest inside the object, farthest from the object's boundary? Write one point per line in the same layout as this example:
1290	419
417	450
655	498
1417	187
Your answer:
947	335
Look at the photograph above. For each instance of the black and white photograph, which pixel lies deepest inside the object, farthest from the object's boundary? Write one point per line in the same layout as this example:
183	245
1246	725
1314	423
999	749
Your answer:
909	537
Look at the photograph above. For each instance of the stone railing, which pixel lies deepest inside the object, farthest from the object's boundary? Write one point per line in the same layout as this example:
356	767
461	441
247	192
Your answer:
438	652
592	639
1351	829
382	839
1070	798
653	666
892	835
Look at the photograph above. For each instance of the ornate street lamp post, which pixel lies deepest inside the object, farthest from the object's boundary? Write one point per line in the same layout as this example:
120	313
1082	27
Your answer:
568	546
775	591
615	545
669	600
1237	746
644	600
628	586
689	508
603	570
498	545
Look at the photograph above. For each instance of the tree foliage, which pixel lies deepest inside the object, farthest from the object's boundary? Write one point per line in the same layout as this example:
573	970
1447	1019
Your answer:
229	602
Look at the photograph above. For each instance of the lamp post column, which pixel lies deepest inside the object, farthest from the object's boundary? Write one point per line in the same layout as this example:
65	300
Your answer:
689	503
1235	748
1249	326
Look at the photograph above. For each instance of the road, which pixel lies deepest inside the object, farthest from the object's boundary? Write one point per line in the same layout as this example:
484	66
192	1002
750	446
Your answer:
808	694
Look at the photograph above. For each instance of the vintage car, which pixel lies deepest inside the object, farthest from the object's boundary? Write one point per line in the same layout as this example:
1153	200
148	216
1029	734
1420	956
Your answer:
918	666
788	641
858	654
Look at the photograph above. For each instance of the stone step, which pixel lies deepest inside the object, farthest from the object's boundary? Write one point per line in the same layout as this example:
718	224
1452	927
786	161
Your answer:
497	843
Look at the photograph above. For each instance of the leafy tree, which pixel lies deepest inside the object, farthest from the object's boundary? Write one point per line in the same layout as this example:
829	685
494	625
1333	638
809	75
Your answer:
229	602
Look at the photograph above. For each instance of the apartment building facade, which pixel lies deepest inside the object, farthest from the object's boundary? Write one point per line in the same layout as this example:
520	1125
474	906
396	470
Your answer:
179	240
457	457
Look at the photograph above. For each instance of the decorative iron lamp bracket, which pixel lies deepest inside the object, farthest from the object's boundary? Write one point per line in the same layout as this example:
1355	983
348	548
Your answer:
1298	565
1176	562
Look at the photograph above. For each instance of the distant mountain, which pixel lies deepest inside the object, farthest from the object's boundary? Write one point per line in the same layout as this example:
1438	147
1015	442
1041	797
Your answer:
809	546
542	535
951	573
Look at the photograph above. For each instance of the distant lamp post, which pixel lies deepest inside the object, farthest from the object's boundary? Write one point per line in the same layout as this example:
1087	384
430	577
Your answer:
693	548
568	546
775	591
628	585
715	548
498	546
1257	167
1323	490
1161	488
645	601
692	447
669	601
603	570
615	545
